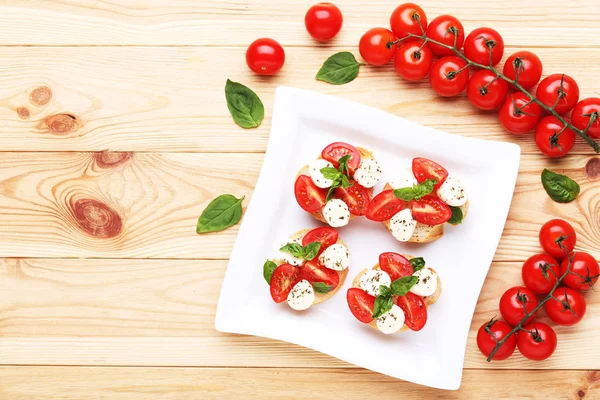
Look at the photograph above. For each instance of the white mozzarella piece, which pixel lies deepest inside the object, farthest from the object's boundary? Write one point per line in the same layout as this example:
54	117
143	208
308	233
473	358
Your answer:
392	321
301	296
402	225
452	192
402	179
314	169
422	232
372	279
427	284
336	213
368	173
336	257
287	257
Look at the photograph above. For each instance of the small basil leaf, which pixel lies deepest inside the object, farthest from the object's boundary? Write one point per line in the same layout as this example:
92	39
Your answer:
339	69
268	269
401	286
560	188
330	173
322	287
382	305
330	193
406	194
343	164
345	182
424	188
418	263
294	249
311	250
244	105
221	213
384	290
457	215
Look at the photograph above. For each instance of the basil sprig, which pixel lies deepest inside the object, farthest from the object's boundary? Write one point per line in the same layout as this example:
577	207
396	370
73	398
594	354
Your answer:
560	188
418	263
339	176
457	215
399	287
339	69
268	269
416	192
220	214
307	252
322	287
244	105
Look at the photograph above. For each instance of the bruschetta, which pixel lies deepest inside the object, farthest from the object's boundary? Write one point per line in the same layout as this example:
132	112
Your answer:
309	268
393	295
338	186
416	204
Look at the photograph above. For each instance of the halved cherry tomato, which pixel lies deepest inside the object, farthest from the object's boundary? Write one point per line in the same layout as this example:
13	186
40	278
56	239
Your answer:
384	206
312	271
337	150
424	169
415	311
356	197
361	304
431	210
310	197
396	265
325	235
284	278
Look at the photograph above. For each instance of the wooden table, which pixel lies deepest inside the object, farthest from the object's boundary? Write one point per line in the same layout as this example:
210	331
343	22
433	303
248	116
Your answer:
115	136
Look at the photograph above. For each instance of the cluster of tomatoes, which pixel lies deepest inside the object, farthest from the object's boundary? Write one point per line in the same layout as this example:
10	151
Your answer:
564	305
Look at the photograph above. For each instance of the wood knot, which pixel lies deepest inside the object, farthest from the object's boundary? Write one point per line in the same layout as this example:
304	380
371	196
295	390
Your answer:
96	218
593	376
581	394
592	168
111	159
40	96
61	124
23	113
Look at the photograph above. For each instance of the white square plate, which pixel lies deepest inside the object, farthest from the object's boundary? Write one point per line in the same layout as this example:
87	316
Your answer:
303	124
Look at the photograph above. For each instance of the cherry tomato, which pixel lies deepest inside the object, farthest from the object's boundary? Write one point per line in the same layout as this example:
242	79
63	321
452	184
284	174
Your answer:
431	210
566	307
559	89
584	271
449	76
323	21
396	265
384	206
412	62
540	273
265	56
310	197
580	117
313	272
537	341
415	310
425	169
512	302
361	304
555	231
527	64
486	91
480	42
492	332
325	235
550	140
356	197
408	18
375	46
445	29
337	150
284	278
516	117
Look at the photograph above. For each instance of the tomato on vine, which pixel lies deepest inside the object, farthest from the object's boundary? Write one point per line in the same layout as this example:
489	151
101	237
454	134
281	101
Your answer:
552	138
265	56
584	271
448	30
408	18
524	67
486	90
449	76
536	341
519	114
480	43
559	91
554	232
583	112
514	302
540	273
566	307
490	333
413	61
323	21
376	46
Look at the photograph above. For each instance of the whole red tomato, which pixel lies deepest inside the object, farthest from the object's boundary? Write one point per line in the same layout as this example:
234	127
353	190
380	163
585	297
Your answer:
492	332
412	62
375	46
527	65
566	307
265	56
408	18
540	273
514	302
559	91
584	271
486	91
518	114
481	42
323	21
552	139
449	76
583	111
537	341
448	30
554	232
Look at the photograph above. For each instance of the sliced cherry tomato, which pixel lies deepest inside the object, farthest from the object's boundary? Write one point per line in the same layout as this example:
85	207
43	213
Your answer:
431	210
375	48
445	29
527	64
449	76
583	111
415	310
325	235
536	341
540	273
408	18
396	265
356	197
513	303
425	169
361	304
551	139
323	21
412	62
584	271
486	91
265	56
313	272
490	334
516	117
337	150
566	307
481	42
384	206
555	231
284	278
310	197
558	85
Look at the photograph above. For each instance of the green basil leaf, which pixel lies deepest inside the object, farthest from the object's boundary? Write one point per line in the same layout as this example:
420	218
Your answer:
560	188
406	194
244	105
343	164
330	173
418	263
345	182
382	305
294	249
221	213
384	290
401	286
322	287
424	188
311	250
330	193
268	269
339	69
457	215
